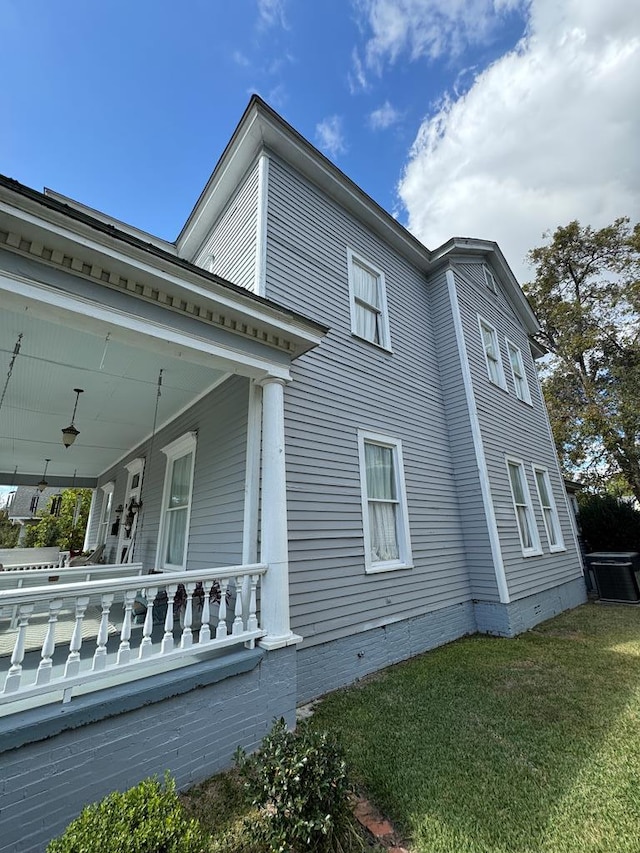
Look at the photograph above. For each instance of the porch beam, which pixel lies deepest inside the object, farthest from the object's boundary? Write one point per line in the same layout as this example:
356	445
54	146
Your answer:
274	533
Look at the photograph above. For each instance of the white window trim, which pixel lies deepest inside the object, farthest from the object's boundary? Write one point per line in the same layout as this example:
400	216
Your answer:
385	343
559	546
180	447
489	279
484	324
136	466
405	560
536	548
103	521
527	393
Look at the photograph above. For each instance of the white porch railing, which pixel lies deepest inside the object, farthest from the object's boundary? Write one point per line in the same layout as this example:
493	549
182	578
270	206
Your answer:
182	616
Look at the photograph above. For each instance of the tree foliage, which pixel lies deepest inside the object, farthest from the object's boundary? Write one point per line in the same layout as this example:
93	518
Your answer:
67	528
586	295
9	531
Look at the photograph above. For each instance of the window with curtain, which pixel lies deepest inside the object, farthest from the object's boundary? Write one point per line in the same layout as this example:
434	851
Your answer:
384	504
492	353
176	504
527	529
549	510
520	384
368	303
105	514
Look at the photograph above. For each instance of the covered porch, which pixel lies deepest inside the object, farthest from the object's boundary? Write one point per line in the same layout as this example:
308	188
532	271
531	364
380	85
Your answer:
180	434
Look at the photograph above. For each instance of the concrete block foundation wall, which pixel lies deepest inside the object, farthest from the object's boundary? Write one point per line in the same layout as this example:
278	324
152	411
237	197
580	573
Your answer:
45	783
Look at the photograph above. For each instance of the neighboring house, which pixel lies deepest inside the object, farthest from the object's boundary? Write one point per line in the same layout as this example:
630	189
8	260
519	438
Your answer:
27	504
297	389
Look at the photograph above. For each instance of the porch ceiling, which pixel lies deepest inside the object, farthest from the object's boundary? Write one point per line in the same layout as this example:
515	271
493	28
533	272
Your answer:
118	372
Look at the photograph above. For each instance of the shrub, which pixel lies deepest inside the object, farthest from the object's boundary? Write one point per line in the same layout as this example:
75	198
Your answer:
299	782
148	818
608	524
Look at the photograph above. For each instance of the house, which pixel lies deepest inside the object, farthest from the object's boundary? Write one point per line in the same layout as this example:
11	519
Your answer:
25	506
336	432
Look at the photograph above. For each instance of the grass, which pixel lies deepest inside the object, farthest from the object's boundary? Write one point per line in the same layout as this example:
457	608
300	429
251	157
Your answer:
488	745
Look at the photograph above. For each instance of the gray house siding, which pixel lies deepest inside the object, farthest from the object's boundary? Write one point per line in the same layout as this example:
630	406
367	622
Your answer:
521	431
217	510
345	385
465	464
233	239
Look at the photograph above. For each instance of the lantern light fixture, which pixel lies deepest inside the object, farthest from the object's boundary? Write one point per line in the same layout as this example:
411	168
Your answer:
42	485
70	433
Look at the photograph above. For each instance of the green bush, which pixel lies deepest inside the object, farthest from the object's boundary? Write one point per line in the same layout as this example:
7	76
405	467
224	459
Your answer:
608	524
298	780
146	819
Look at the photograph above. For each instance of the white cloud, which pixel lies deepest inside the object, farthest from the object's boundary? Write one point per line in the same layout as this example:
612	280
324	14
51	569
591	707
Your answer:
272	13
384	117
358	80
240	59
330	136
430	28
547	134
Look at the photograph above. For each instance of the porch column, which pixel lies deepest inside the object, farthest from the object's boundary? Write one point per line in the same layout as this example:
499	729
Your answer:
274	550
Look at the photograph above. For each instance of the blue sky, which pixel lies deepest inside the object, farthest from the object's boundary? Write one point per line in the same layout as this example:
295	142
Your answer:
487	118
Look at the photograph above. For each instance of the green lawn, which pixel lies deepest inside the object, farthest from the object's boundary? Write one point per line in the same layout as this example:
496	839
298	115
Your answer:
506	746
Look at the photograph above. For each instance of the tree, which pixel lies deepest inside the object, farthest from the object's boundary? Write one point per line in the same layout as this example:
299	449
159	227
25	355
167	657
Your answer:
65	529
8	531
587	298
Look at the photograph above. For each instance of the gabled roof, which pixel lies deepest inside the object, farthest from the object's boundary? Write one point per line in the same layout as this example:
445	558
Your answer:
261	128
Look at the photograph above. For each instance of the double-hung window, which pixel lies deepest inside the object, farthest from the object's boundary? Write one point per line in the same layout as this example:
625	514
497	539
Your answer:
549	510
520	383
369	319
105	513
492	353
384	503
527	529
176	502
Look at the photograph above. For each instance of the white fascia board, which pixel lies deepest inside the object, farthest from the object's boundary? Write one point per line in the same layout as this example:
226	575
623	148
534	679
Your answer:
232	360
261	128
165	245
186	282
488	249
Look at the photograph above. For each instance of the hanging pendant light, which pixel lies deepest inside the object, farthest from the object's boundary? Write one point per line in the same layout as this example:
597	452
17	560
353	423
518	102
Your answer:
42	485
70	433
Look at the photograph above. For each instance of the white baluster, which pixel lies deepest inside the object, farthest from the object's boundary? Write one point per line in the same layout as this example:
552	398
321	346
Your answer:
72	667
238	624
43	675
167	640
221	630
205	627
124	650
100	654
14	675
187	633
146	646
252	619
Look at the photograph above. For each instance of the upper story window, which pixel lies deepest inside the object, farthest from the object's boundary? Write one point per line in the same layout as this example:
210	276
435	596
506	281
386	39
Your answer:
384	504
489	279
369	318
520	383
492	353
529	538
176	503
549	510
